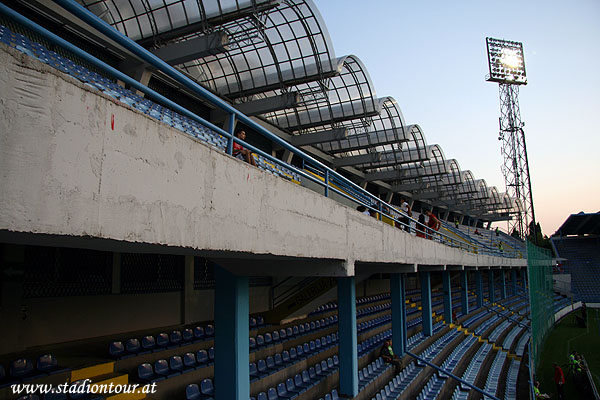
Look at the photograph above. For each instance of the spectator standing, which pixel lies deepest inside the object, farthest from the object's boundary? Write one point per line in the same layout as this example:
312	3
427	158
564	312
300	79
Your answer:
421	226
559	379
433	224
404	206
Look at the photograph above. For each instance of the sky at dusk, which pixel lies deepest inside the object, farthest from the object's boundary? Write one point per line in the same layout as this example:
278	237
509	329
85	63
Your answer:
431	57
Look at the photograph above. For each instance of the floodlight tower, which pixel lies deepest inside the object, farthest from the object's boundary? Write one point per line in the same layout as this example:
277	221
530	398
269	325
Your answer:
507	67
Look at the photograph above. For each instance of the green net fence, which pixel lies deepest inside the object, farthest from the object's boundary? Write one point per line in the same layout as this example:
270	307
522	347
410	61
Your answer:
541	294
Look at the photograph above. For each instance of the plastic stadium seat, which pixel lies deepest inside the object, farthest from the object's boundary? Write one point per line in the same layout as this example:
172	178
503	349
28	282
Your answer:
192	392
263	370
209	331
261	396
283	393
187	335
260	321
175	338
272	394
275	337
132	345
252	323
162	340
268	339
189	361
293	354
148	343
283	334
291	386
207	388
47	363
202	357
285	355
176	363
279	361
254	375
29	397
20	368
161	367
211	355
289	332
252	343
198	333
260	340
116	349
271	363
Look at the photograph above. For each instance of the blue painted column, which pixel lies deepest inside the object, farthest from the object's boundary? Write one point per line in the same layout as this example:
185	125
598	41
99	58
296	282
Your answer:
464	292
447	297
513	276
491	288
502	284
397	286
347	331
479	287
426	303
231	336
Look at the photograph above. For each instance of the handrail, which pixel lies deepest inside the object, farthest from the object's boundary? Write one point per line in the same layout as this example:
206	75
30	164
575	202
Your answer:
377	205
451	375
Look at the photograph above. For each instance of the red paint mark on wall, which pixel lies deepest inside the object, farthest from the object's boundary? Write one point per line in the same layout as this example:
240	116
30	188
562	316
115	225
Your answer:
112	121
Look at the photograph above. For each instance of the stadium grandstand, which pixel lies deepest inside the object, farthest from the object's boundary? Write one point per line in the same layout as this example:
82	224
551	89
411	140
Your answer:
139	251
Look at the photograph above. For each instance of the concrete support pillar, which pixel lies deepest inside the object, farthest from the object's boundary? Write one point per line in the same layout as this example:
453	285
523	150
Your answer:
231	336
464	293
513	276
426	303
347	331
491	288
447	297
479	287
397	289
502	285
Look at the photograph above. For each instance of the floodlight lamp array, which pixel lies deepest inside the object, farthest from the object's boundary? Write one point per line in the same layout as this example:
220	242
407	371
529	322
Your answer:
506	62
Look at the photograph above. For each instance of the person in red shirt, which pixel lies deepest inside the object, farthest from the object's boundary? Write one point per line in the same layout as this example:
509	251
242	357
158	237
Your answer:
433	223
240	152
559	379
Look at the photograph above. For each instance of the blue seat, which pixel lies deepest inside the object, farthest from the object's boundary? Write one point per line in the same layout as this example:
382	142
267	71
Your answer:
271	364
262	368
202	357
176	364
187	335
293	354
289	332
207	388
268	339
300	352
272	394
198	333
21	368
275	336
260	340
116	349
252	343
296	330
254	375
48	364
175	339
148	343
252	323
261	396
162	340
283	334
283	393
209	331
192	392
133	346
279	361
260	321
307	380
291	386
189	361
211	355
299	383
161	368
306	349
285	355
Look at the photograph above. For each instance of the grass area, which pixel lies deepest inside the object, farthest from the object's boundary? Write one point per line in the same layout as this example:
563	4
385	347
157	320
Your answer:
565	337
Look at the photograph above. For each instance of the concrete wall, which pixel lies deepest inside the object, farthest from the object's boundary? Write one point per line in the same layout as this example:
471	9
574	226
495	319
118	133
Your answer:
77	164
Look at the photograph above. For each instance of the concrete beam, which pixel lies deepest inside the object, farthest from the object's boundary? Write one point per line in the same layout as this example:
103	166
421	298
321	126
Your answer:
356	160
264	265
384	268
430	268
319	137
269	104
193	49
455	267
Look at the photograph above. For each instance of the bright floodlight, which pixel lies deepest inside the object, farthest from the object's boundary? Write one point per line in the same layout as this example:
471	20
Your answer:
506	62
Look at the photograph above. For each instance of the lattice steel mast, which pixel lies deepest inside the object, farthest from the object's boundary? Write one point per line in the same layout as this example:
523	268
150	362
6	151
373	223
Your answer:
507	67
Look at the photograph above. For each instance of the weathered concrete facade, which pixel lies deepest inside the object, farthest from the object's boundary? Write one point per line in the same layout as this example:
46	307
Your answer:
76	164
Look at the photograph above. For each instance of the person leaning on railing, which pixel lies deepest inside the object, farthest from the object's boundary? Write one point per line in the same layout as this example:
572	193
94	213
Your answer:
240	152
433	224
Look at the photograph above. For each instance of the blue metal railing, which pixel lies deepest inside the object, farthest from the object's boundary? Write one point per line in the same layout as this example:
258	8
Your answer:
450	374
330	178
